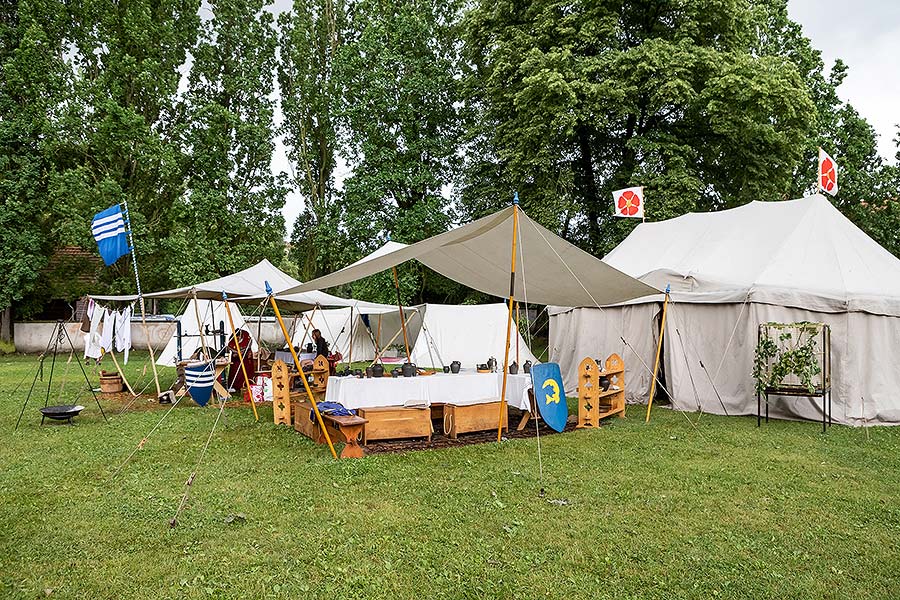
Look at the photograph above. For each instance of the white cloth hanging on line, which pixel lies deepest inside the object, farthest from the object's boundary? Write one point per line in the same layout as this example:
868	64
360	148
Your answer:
123	332
92	338
106	336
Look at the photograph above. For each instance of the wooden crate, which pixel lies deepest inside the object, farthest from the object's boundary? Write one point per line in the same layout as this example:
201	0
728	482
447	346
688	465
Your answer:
471	417
395	422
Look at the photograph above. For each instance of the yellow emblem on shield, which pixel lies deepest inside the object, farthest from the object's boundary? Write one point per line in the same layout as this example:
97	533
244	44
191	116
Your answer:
554	396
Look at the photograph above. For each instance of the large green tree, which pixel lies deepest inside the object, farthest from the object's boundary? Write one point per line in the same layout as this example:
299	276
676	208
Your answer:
572	100
33	86
311	36
230	216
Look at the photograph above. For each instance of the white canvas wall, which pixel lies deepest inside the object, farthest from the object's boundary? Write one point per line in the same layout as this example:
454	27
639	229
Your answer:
581	332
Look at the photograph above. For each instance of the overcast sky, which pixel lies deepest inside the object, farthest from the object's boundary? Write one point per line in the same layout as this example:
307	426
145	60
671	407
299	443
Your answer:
865	34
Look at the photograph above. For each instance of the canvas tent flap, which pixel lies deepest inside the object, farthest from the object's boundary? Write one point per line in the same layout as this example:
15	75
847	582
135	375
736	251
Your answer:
549	269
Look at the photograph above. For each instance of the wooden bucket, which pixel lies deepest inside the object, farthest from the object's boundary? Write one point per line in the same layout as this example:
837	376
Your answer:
110	383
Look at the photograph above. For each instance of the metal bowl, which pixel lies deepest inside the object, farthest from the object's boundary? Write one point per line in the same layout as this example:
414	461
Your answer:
62	412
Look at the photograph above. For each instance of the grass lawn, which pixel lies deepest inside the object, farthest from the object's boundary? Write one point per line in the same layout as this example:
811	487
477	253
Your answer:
666	510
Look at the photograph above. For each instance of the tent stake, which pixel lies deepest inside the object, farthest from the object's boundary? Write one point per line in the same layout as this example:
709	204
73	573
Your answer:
509	320
240	354
662	329
309	393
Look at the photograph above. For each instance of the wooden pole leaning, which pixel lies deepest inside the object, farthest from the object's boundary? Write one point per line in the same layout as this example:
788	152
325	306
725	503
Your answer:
383	348
121	373
402	319
237	345
309	394
662	329
509	320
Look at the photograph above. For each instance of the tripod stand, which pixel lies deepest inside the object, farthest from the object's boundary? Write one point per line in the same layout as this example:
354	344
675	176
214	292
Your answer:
56	339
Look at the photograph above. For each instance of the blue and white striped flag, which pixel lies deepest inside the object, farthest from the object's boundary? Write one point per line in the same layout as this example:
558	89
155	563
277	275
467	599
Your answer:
108	228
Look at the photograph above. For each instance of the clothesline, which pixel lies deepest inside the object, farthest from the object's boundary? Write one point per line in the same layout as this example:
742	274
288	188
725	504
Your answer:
106	329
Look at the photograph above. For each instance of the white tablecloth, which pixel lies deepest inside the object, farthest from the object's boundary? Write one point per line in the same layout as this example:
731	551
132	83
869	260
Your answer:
467	387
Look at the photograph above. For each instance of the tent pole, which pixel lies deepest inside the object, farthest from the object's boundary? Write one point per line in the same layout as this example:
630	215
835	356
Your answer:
350	351
662	329
309	393
518	318
200	324
259	334
309	323
391	341
240	354
402	319
509	320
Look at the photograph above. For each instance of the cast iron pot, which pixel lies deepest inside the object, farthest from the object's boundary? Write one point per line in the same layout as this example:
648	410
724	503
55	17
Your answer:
378	370
604	382
408	369
513	368
454	366
369	372
395	372
446	369
527	367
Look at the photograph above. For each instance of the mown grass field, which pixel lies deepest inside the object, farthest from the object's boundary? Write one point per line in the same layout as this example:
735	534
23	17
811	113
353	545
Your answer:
715	509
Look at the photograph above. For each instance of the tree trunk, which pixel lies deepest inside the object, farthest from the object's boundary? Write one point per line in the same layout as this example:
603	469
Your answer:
6	325
587	186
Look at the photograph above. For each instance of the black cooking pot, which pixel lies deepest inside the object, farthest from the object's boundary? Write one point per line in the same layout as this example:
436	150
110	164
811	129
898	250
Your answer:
527	367
378	370
513	368
368	371
454	366
604	382
408	369
395	372
446	369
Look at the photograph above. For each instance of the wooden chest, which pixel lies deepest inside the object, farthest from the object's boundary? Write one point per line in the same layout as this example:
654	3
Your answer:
394	423
471	417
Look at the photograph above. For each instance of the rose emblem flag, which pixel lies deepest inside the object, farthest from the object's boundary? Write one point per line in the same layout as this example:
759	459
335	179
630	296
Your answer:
828	173
629	202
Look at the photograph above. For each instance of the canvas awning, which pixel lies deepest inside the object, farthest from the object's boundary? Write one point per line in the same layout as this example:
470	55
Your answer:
549	270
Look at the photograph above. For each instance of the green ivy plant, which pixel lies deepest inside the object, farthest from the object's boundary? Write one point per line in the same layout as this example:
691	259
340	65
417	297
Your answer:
778	358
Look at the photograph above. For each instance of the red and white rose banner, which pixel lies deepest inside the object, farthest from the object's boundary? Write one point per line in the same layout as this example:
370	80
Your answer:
629	202
828	173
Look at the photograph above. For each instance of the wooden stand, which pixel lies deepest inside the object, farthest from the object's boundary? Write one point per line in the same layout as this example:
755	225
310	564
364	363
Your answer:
281	393
471	417
393	423
593	403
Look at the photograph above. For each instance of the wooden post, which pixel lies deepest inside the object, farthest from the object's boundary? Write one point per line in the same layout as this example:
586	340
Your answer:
380	352
518	335
309	393
237	345
662	329
509	320
200	324
121	373
350	351
402	319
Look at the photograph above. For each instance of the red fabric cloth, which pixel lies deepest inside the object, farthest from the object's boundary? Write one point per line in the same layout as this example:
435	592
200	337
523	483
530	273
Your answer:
235	373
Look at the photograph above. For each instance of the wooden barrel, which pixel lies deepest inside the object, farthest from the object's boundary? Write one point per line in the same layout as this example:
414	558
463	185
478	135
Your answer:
110	383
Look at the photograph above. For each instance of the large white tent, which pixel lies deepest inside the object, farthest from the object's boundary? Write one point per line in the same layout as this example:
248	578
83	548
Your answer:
213	322
729	271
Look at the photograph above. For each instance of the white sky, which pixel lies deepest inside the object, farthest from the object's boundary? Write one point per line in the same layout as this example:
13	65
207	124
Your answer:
865	34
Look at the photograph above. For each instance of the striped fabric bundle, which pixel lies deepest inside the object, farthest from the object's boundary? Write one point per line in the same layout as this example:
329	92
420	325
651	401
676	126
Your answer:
108	229
200	377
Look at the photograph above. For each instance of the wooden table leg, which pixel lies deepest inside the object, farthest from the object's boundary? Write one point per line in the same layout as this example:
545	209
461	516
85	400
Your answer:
525	417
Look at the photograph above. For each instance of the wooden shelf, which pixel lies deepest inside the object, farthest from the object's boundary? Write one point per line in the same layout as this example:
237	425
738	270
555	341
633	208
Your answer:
594	403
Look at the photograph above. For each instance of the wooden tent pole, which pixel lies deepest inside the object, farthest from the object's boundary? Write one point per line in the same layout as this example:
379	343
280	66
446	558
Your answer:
309	323
200	324
518	335
237	345
391	341
309	393
121	373
509	320
662	329
402	318
350	351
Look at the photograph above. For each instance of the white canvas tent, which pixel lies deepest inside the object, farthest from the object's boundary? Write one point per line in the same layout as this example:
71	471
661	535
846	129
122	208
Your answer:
797	260
212	318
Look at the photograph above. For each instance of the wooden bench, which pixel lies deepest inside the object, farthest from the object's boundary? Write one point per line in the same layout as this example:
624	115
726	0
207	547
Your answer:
395	422
346	429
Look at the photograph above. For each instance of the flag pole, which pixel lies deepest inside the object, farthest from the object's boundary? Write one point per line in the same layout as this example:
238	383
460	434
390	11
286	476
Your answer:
137	281
509	319
309	393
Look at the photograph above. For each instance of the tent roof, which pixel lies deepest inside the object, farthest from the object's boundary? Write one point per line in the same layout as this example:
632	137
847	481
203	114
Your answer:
801	253
549	270
248	286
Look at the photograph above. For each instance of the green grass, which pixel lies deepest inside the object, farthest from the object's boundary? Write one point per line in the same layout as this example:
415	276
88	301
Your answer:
666	510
